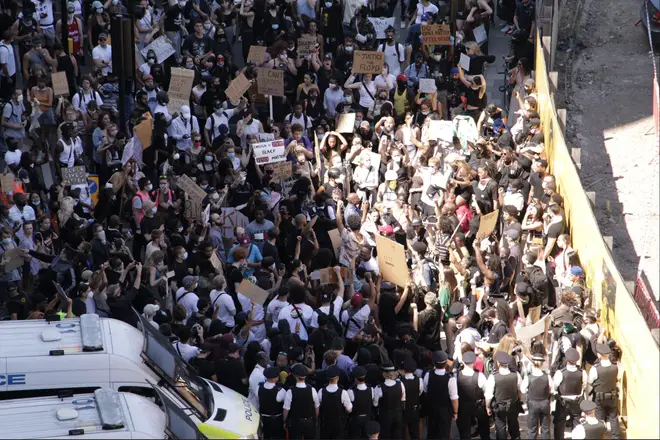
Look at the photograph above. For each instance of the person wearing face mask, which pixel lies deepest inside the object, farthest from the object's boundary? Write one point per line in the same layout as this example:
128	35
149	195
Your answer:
246	16
273	23
145	68
416	71
162	99
139	200
151	90
75	29
198	45
395	53
182	127
380	108
100	248
24	28
344	59
97	23
13	114
332	98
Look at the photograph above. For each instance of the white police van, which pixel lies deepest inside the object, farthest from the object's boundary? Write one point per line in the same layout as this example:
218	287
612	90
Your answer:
40	358
104	414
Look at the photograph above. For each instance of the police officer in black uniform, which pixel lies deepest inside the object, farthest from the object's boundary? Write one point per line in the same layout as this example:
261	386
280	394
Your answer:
414	389
503	398
361	395
390	397
591	427
604	382
442	398
372	430
301	406
538	387
569	384
471	403
271	400
335	406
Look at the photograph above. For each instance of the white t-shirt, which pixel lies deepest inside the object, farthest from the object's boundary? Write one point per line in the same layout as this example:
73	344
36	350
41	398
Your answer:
186	351
338	302
44	12
273	310
227	310
189	301
391	58
421	10
13	157
360	317
103	54
295	322
7	57
82	98
27	215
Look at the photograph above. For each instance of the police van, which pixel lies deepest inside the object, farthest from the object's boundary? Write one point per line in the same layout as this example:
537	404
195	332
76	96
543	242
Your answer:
104	414
40	357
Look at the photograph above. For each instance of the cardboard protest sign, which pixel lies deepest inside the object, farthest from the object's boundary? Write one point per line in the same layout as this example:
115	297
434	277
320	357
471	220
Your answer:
366	61
464	62
466	130
263	137
163	48
16	260
480	34
193	206
329	276
488	223
427	85
282	170
392	261
335	238
270	81
60	84
237	87
436	34
215	261
306	45
180	86
144	131
269	152
255	293
7	182
346	123
532	331
442	131
231	218
380	24
256	55
74	175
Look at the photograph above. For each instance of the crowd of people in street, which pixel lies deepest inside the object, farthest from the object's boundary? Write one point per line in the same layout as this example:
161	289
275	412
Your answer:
186	226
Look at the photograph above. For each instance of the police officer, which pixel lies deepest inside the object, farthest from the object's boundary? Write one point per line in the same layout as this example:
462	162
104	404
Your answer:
389	398
414	389
471	386
503	386
361	396
301	406
569	385
335	405
591	427
442	401
604	382
538	388
271	399
372	430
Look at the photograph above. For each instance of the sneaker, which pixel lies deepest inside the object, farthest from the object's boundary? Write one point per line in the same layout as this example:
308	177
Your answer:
506	28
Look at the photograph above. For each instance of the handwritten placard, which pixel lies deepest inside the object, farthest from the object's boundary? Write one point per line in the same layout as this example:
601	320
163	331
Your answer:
7	182
392	261
346	123
191	188
256	55
255	293
427	85
282	170
144	131
60	84
480	34
269	152
264	137
270	81
335	238
162	47
365	61
180	86
329	276
74	176
487	223
237	87
380	24
306	45
436	34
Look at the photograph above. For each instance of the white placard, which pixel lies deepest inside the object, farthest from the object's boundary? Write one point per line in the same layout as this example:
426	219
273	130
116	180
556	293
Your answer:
442	131
269	152
162	47
427	85
380	24
287	186
480	34
464	62
265	137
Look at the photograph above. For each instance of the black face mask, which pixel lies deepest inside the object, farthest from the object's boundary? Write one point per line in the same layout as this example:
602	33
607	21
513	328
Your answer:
401	84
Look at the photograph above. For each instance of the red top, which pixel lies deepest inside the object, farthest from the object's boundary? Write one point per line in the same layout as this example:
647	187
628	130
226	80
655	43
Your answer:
74	35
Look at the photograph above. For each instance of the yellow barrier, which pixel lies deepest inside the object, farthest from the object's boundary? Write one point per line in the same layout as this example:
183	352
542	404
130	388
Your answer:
619	313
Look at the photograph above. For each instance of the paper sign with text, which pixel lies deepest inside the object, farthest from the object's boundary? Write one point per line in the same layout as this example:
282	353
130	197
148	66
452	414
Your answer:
257	55
282	170
237	87
306	45
480	34
442	131
74	175
180	86
380	24
144	131
7	182
287	186
264	137
255	293
488	223
366	61
436	34
270	81
464	62
346	123
163	48
427	85
392	261
329	276
191	188
60	84
269	152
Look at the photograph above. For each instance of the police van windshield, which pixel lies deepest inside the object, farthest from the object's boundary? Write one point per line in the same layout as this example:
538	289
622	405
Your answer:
161	357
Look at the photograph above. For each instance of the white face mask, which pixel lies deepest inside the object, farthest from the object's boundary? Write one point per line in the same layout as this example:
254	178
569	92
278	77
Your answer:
185	255
437	57
19	98
149	187
102	236
176	156
284	56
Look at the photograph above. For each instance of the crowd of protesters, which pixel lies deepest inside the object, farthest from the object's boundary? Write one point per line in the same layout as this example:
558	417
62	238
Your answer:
317	355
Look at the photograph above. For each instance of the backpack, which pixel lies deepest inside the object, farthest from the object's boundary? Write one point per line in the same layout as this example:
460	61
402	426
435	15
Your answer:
334	322
589	353
381	48
304	119
539	282
435	273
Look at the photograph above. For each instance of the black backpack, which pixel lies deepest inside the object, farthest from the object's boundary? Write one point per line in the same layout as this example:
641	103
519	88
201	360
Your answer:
334	322
539	282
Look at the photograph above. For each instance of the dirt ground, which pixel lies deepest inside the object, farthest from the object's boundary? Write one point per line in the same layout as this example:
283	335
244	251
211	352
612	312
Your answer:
605	80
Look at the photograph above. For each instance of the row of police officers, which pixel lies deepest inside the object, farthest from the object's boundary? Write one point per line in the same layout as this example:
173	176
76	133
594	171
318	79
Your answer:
467	397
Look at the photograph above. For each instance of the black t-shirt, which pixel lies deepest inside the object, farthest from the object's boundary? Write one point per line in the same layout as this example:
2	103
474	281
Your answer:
230	372
536	181
19	305
554	231
197	47
147	225
525	15
487	194
173	18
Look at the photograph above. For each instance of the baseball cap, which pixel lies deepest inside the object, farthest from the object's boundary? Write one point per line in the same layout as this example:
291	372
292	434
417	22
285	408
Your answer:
189	281
577	271
185	111
401	77
245	239
148	77
386	230
233	347
356	300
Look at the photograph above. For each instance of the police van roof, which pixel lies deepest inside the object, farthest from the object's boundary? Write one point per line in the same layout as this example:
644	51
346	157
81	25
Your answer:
85	335
121	415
